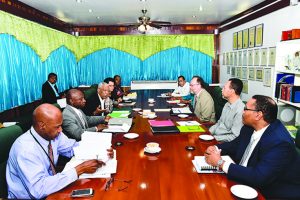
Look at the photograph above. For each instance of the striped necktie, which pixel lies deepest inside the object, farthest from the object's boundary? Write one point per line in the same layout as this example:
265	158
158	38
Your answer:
50	153
247	152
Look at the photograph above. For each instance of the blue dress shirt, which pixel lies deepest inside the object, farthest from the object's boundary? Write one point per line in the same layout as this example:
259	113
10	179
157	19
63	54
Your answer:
28	171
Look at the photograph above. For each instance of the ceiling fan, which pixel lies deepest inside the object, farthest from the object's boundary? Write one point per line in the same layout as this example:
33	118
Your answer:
144	23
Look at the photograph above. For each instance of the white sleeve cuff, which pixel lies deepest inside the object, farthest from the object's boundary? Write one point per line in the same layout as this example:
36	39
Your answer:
226	165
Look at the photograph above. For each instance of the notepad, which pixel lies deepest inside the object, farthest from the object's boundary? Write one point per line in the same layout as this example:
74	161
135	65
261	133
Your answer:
201	165
188	129
119	114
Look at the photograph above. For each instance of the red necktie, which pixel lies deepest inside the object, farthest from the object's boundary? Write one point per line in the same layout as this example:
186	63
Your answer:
50	152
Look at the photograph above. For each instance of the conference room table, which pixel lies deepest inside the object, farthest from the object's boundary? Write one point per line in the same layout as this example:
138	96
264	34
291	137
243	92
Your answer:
168	175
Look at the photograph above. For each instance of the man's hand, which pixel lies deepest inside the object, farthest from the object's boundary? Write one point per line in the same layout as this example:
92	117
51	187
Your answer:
89	166
110	152
100	127
98	111
212	155
120	100
107	118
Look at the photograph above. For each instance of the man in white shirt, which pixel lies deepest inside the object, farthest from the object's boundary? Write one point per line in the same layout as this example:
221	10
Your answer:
183	88
230	123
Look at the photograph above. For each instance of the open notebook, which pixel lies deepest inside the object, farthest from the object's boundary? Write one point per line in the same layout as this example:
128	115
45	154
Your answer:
202	167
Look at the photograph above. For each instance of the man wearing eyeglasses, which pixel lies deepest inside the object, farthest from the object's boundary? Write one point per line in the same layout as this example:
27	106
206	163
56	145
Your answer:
230	123
203	103
264	153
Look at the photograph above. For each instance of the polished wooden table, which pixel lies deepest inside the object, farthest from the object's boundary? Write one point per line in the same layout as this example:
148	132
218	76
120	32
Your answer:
168	175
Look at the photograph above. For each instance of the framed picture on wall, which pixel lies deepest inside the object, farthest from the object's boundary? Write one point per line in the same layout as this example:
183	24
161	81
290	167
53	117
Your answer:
245	86
238	72
245	58
252	37
235	40
267	77
272	56
251	73
231	58
240	40
263	59
259	29
259	74
256	57
235	59
232	71
228	70
244	73
240	56
250	57
245	38
227	58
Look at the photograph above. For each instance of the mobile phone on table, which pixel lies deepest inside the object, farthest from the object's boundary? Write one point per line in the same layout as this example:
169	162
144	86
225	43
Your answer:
82	192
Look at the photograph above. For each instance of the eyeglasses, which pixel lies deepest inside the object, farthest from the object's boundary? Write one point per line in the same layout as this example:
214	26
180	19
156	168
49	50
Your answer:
121	188
245	109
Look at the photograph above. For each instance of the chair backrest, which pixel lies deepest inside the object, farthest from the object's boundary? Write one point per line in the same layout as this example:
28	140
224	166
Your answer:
219	101
89	92
7	137
297	141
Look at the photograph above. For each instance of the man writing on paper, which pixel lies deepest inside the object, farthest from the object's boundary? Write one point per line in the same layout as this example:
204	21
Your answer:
264	152
30	171
230	123
99	103
183	88
75	122
203	103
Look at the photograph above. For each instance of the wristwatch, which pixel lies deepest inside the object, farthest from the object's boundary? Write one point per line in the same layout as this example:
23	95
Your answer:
219	164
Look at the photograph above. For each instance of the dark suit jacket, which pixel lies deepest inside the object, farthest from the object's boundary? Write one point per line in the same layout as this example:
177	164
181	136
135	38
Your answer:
48	95
93	102
274	165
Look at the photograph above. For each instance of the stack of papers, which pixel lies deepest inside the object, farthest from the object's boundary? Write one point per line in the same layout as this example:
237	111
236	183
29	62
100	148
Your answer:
94	146
187	129
120	114
185	110
127	104
188	123
173	101
201	165
124	128
132	95
162	109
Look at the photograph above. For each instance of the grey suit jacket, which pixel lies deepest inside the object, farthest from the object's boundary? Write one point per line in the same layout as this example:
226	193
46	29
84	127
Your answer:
72	125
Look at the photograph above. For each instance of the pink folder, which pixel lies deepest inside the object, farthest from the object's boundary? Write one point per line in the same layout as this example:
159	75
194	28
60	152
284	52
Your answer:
156	123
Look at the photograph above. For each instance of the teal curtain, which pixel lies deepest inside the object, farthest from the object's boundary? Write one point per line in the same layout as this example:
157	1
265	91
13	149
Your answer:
23	72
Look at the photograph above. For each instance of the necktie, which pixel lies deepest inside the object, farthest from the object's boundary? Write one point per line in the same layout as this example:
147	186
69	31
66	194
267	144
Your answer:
81	119
50	153
195	101
247	152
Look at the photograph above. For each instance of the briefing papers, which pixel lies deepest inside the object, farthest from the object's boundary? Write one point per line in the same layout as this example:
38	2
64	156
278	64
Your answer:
181	110
94	145
118	125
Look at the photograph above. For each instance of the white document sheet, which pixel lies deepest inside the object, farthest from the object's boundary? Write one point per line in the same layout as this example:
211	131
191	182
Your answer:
188	123
117	129
181	110
62	102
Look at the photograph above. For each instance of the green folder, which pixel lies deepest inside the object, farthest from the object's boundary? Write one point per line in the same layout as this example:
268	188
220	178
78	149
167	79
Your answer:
119	114
190	129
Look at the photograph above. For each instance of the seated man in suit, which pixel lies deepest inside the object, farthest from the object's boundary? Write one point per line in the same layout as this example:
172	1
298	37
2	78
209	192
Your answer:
230	123
203	103
49	89
75	122
99	103
111	86
30	171
264	153
183	88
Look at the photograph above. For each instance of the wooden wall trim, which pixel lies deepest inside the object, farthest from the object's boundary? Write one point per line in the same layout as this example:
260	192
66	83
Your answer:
27	12
276	6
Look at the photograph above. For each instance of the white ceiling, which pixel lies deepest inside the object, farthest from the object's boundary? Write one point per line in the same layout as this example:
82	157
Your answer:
117	12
